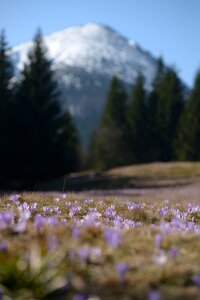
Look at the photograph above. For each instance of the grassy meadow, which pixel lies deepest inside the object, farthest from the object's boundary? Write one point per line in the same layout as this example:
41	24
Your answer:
139	241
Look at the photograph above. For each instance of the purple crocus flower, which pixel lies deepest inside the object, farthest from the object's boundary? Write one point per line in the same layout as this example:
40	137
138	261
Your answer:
47	210
92	209
190	226
74	210
52	221
39	221
88	201
56	199
196	279
83	253
117	222
14	197
6	219
21	226
134	206
110	212
33	206
24	211
79	297
56	209
91	218
164	211
158	240
130	224
112	237
3	247
68	203
76	232
121	269
154	295
173	252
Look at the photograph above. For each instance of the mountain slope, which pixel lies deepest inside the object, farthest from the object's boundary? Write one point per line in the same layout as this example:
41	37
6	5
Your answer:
84	59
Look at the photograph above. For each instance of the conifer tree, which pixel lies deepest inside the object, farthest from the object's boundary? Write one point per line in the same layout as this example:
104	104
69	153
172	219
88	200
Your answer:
6	73
187	142
48	142
111	140
169	107
137	117
153	139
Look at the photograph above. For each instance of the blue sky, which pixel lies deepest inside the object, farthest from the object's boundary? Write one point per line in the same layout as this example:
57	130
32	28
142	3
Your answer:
164	27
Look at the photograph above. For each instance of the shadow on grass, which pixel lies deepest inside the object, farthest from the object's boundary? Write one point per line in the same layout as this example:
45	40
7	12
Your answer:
101	181
153	176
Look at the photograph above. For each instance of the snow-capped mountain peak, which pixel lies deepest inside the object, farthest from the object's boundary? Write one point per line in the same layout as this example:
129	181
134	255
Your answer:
85	58
93	47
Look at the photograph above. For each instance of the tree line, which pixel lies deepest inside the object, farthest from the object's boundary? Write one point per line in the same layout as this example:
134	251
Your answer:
160	125
39	140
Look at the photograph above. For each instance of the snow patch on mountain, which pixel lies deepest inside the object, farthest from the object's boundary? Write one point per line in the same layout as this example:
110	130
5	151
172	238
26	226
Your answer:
94	48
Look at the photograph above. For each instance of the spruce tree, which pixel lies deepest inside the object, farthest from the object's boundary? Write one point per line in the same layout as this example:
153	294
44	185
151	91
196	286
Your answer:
153	139
47	138
137	117
111	140
6	73
187	141
169	107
